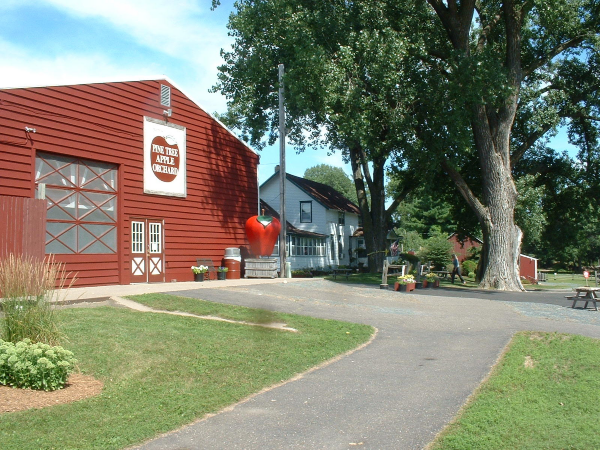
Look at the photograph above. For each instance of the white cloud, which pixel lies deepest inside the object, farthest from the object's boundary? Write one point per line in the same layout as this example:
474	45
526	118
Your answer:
21	69
185	29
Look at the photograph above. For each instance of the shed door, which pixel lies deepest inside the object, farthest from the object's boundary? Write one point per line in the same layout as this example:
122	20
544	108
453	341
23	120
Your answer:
147	253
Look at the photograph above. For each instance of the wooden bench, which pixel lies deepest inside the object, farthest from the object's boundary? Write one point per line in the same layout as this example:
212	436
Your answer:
345	272
208	263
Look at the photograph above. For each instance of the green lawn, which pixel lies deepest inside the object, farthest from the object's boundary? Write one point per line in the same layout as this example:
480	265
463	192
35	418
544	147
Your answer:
542	395
162	371
559	281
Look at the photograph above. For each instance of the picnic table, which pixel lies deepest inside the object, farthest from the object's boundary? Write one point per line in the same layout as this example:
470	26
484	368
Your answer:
345	272
441	273
586	294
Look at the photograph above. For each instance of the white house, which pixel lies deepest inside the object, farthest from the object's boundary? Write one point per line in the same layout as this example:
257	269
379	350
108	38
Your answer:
320	222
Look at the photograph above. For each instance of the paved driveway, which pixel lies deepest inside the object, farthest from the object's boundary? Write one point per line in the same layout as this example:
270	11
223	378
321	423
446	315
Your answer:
429	354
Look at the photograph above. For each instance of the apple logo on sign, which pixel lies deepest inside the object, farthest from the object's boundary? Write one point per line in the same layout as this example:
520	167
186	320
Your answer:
164	158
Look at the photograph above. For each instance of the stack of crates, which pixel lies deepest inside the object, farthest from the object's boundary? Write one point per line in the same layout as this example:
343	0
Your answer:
261	268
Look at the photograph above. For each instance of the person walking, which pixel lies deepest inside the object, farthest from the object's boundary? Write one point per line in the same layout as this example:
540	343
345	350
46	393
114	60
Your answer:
456	269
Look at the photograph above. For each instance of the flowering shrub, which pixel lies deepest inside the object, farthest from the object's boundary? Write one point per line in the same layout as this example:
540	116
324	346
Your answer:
431	276
200	269
406	279
35	366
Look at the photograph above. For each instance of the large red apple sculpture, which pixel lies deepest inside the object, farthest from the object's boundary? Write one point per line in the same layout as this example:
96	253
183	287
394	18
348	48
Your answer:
262	233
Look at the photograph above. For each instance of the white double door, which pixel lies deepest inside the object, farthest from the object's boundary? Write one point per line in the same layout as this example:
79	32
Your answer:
147	251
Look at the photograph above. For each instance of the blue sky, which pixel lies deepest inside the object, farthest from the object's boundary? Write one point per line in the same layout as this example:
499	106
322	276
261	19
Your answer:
46	42
49	42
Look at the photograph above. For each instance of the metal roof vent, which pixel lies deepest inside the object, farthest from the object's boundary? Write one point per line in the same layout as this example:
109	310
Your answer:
165	95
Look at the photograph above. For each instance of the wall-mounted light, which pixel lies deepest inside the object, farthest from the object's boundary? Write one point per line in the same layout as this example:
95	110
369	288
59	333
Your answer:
30	130
168	112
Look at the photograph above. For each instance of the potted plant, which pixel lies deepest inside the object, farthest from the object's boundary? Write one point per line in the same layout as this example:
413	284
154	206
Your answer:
405	283
199	272
431	280
221	272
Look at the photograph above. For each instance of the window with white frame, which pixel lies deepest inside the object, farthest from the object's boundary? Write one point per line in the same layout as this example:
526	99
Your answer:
306	212
307	246
341	218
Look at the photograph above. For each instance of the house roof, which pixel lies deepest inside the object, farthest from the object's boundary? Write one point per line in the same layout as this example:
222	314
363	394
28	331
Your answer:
270	211
325	195
474	239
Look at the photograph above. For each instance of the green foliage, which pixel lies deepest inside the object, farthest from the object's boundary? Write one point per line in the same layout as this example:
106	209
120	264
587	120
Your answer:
409	86
424	211
34	366
28	286
438	250
469	266
334	177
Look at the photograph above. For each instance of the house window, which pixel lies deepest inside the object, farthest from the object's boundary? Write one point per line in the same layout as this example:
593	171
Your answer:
306	212
82	204
341	218
307	246
340	247
276	247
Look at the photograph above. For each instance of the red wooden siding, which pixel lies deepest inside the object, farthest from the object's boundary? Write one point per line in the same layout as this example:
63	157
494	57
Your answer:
528	267
461	248
22	227
104	122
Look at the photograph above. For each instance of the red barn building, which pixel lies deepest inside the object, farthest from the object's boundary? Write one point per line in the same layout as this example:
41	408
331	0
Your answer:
139	181
461	248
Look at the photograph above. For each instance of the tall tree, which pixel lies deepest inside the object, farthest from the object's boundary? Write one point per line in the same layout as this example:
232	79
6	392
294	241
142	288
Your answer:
497	79
334	177
469	86
337	58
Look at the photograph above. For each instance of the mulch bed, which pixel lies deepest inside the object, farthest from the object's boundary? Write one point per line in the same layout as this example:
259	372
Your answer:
78	387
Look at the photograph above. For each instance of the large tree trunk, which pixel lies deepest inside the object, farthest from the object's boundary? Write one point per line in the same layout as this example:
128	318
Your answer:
502	238
500	233
374	216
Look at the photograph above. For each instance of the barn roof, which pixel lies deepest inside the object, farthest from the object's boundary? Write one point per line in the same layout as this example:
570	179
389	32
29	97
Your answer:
158	78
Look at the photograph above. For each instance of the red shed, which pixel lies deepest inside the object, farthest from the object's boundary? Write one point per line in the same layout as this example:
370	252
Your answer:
528	267
138	179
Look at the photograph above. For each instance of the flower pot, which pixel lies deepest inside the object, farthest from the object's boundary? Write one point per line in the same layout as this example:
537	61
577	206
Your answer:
221	275
198	277
410	287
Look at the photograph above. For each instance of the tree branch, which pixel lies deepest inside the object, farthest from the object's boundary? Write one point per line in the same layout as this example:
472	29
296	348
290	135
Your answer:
531	139
553	53
464	189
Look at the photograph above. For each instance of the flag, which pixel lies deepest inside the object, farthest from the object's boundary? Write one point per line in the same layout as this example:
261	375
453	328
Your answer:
394	248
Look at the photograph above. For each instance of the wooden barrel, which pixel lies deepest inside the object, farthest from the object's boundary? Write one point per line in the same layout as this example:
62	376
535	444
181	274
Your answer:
234	268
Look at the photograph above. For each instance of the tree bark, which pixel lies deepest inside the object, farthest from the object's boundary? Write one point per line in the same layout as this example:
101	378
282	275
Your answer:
374	216
491	131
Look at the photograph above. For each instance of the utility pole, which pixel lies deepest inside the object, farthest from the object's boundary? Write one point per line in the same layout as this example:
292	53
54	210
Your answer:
283	232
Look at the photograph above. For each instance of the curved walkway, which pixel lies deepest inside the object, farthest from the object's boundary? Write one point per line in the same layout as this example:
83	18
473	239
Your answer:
429	355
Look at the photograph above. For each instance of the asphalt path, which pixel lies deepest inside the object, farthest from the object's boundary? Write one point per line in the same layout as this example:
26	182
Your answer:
431	351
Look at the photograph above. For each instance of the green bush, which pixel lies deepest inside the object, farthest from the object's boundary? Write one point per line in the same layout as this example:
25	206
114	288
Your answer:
469	266
437	249
34	366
